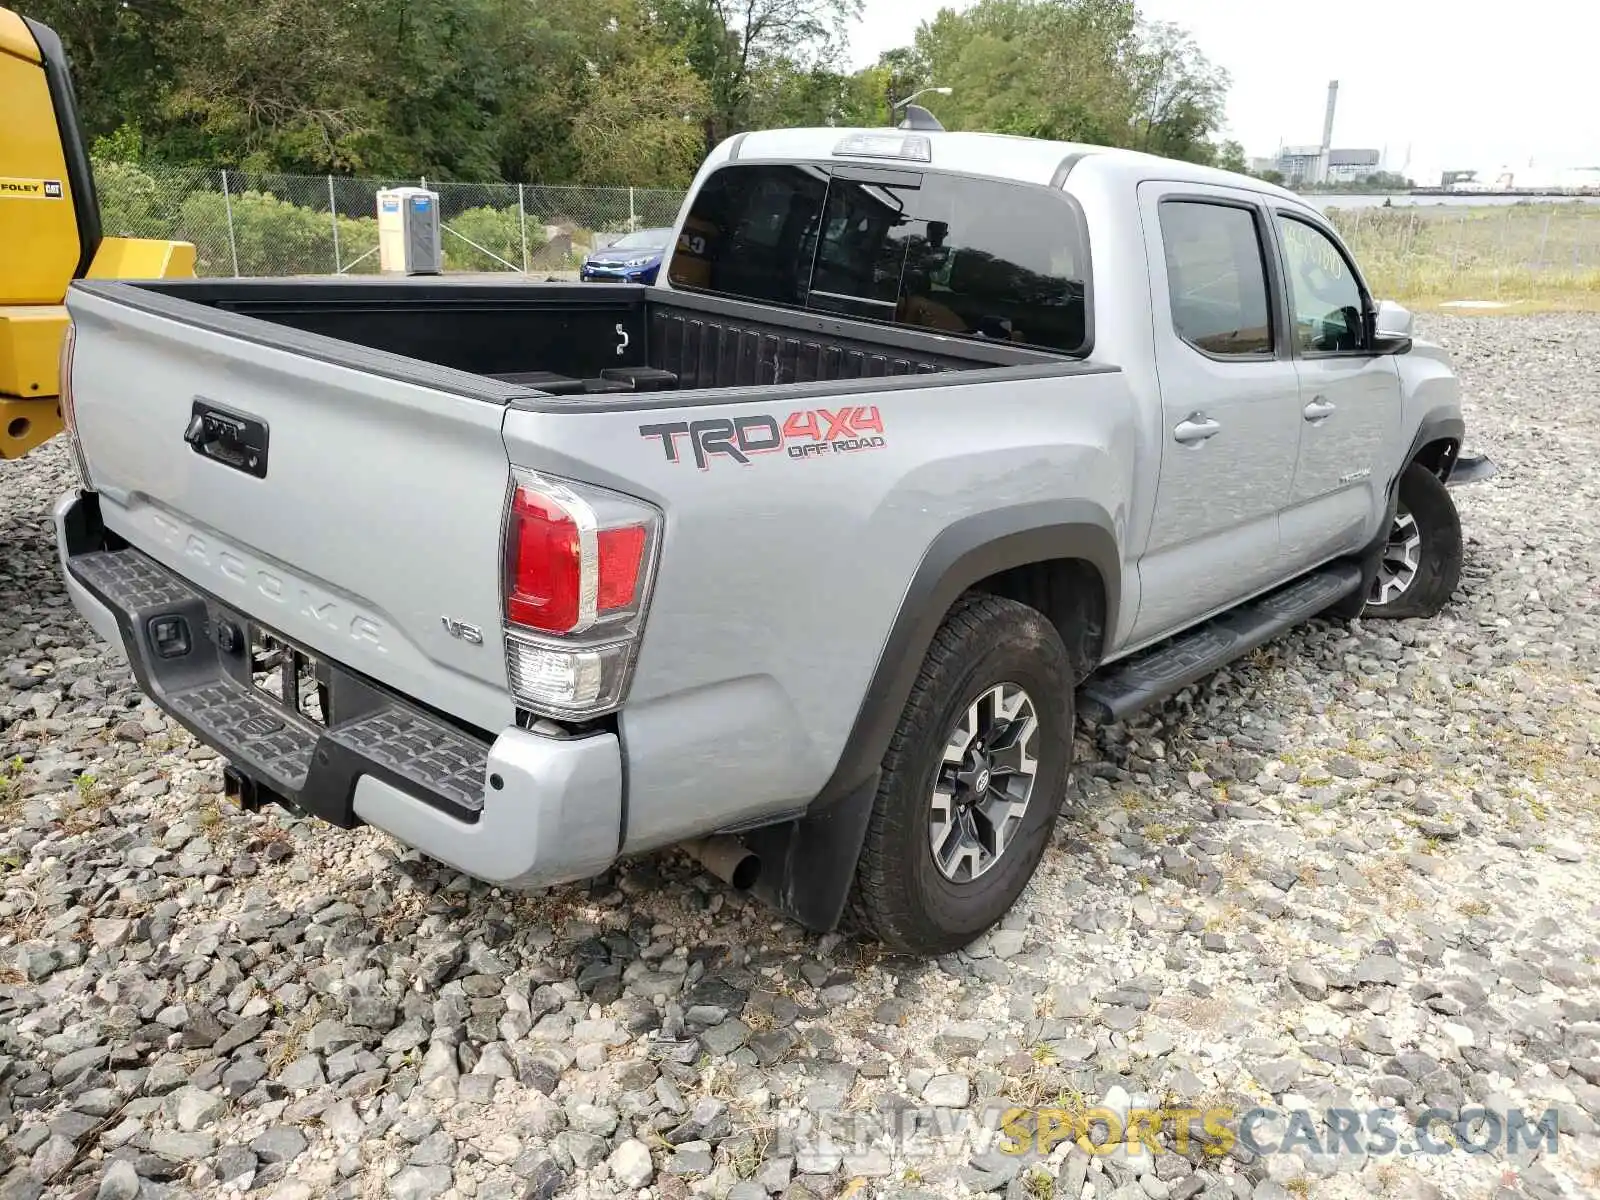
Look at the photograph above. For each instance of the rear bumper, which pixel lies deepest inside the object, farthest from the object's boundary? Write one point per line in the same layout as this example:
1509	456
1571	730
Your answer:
522	809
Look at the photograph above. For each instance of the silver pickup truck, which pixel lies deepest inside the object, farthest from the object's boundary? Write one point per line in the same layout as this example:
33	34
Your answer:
807	558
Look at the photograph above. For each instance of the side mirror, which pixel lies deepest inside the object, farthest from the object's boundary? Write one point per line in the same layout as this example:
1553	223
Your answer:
1395	319
1392	328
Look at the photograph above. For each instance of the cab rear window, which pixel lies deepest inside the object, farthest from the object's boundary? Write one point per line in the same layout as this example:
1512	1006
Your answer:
970	257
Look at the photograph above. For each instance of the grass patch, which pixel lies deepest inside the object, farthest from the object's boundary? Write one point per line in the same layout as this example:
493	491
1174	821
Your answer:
84	811
292	1045
12	780
1533	257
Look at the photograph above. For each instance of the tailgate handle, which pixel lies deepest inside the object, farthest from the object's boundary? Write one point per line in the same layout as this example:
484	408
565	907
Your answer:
234	439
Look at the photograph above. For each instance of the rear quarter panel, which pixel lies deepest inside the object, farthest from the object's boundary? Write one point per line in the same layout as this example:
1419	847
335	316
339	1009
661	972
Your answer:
780	577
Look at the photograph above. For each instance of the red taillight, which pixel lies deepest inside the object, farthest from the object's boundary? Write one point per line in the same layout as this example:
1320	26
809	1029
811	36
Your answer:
546	568
567	568
580	561
621	562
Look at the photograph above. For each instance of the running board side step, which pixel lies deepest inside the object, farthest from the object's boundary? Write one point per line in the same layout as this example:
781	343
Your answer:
1471	468
1126	687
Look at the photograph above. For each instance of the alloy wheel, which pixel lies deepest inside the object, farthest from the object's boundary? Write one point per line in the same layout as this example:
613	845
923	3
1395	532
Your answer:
1402	555
984	784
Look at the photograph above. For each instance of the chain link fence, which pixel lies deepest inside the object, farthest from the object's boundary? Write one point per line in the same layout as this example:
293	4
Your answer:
1526	251
250	223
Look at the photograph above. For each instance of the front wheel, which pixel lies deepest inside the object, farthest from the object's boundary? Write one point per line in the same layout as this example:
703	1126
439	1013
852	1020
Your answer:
972	781
1421	561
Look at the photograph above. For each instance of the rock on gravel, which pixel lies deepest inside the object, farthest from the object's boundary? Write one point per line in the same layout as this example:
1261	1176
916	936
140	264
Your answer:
948	1091
1356	868
120	1182
630	1164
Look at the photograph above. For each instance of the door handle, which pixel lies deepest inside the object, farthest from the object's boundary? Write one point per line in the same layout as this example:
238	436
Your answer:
1195	428
1318	410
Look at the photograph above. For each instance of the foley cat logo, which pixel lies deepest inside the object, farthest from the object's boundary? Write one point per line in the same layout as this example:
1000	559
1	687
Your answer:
30	189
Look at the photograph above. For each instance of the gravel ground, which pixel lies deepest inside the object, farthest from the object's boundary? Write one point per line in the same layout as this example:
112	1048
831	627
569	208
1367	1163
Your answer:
1357	870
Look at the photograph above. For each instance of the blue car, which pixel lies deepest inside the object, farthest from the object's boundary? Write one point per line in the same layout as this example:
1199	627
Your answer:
636	258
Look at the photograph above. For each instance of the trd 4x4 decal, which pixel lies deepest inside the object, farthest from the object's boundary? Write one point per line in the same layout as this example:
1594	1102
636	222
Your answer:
804	434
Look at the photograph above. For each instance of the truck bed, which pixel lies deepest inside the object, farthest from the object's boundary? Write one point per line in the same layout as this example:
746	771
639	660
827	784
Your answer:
519	339
326	467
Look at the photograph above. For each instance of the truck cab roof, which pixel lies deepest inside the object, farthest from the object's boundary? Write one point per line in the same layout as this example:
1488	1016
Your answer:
1000	156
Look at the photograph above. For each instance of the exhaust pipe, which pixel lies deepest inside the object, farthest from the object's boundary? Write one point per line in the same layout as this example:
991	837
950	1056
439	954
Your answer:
727	858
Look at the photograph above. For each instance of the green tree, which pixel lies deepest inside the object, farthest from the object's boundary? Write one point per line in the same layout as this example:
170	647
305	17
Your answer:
274	84
120	52
1076	70
598	91
641	122
786	95
899	73
1039	68
130	202
1230	157
1178	93
729	44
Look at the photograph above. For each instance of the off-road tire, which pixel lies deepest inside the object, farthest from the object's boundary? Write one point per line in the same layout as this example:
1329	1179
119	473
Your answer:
1425	497
899	895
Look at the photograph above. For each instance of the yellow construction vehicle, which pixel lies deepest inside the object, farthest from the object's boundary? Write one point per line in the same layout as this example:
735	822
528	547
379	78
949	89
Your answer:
49	230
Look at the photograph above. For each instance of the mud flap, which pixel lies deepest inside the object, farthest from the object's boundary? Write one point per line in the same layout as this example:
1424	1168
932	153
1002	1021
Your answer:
1370	560
808	864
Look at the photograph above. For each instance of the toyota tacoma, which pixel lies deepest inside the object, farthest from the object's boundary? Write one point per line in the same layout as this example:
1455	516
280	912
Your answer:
807	557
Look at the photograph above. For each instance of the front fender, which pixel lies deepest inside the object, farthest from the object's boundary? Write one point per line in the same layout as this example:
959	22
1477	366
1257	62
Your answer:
1440	424
1432	398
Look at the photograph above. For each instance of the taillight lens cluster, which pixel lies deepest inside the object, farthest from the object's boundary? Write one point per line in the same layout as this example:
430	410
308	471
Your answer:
69	415
578	569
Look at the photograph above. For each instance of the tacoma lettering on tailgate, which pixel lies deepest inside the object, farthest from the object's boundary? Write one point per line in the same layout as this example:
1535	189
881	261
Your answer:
331	614
807	433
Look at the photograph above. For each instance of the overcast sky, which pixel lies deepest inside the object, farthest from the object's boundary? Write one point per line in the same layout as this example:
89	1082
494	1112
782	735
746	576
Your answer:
1459	90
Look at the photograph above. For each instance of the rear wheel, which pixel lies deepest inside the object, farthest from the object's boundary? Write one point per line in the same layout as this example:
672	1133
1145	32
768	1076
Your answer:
1421	560
972	782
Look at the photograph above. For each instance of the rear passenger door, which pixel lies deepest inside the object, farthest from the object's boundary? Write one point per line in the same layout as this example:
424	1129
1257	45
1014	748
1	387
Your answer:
1230	410
1350	398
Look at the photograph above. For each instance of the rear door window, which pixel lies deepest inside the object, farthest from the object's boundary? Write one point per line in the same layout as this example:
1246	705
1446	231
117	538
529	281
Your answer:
971	257
1216	278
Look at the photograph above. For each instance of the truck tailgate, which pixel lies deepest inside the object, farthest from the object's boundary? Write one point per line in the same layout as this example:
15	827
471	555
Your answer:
368	532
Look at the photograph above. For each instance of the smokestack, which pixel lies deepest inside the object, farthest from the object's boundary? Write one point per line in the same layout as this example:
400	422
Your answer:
1327	124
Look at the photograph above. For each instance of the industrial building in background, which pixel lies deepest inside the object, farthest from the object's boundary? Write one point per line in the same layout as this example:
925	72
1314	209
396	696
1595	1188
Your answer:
1529	180
1321	163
